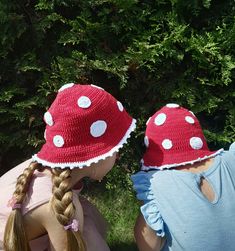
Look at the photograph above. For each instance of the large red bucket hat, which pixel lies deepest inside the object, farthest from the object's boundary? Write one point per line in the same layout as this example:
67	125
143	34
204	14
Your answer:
173	138
83	125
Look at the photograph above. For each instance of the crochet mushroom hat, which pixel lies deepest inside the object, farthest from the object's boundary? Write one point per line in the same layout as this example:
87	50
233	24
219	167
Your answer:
83	125
173	138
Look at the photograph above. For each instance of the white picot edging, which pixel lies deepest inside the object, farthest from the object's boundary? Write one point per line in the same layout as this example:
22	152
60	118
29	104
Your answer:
168	166
93	160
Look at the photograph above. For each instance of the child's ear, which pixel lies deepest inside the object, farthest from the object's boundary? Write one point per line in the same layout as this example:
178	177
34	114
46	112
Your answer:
117	156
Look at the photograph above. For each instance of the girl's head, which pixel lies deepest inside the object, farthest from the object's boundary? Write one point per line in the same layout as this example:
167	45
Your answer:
84	124
174	138
85	128
100	169
96	171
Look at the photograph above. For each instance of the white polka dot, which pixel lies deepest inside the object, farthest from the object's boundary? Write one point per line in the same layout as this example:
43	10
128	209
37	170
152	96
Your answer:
146	141
172	105
96	86
98	128
58	141
148	120
192	113
48	118
167	144
84	102
196	143
189	119
65	87
45	134
160	119
120	106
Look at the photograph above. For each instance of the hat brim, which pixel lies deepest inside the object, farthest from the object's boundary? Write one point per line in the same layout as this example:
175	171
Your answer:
88	162
203	156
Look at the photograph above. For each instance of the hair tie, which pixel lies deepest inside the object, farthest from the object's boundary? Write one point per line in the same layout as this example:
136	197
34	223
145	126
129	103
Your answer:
17	205
74	226
13	203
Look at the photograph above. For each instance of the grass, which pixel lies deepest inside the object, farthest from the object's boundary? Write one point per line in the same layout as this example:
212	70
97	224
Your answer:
120	208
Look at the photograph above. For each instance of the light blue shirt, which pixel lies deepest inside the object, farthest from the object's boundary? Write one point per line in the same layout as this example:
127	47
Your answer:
175	207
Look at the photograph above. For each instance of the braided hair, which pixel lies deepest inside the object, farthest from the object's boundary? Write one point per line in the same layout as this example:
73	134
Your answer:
15	237
63	207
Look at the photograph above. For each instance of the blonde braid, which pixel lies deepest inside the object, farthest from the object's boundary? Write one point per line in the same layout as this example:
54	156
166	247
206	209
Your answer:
15	237
23	182
63	207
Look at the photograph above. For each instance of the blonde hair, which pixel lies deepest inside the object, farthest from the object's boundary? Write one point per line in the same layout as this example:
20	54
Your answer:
15	237
63	207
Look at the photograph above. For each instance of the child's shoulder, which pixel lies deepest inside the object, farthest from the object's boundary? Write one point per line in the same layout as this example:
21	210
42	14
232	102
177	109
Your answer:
145	183
228	158
151	177
144	178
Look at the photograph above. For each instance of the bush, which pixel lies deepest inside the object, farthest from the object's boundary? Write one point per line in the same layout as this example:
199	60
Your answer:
146	53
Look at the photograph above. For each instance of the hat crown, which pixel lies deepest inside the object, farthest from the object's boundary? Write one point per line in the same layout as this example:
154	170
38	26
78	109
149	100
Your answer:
174	137
81	127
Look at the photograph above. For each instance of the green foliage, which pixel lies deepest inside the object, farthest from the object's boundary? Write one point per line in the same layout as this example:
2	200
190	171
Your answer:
120	209
146	53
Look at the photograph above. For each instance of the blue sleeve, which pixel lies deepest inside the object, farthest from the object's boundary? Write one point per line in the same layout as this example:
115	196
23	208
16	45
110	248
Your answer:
229	159
143	187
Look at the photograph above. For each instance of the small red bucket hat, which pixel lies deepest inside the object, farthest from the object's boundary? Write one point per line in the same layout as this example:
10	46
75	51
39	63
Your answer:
83	125
173	138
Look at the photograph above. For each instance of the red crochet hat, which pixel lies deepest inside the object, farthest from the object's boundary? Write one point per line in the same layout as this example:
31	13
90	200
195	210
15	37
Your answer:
173	138
84	125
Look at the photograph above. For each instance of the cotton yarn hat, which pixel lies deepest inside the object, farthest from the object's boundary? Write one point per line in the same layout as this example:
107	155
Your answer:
83	125
173	138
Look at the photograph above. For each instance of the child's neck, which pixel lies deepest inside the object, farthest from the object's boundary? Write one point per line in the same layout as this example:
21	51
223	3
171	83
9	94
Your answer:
76	175
197	167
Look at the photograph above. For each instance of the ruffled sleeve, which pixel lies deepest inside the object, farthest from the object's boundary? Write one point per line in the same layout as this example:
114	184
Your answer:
143	187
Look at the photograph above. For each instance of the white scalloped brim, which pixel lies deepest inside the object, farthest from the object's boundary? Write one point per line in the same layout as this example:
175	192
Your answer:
88	162
168	166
